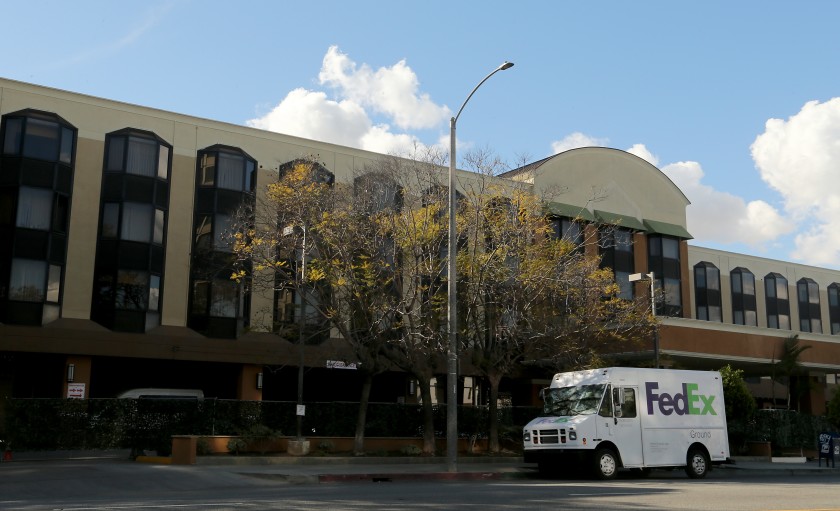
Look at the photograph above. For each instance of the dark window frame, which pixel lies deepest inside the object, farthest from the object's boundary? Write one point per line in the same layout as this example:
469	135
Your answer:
808	299
778	309
744	304
707	298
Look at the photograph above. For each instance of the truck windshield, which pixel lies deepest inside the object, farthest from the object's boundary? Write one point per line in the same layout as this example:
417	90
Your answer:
568	401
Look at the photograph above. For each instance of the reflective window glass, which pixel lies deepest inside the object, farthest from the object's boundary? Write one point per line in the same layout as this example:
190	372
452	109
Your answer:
116	152
34	208
142	156
132	290
66	153
136	222
110	219
54	283
229	172
223	299
11	142
154	292
163	163
41	139
159	224
28	280
222	240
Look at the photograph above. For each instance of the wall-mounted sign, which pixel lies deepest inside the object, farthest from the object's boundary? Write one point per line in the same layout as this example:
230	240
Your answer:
339	364
75	391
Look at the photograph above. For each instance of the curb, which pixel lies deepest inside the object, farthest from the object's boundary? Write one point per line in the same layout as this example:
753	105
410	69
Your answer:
427	476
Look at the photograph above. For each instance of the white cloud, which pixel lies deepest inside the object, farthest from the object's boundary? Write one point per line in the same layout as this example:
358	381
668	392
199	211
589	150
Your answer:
392	91
576	140
389	91
720	217
642	152
800	159
310	114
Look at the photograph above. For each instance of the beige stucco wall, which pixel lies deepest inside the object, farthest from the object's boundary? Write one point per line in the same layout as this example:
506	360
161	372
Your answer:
600	178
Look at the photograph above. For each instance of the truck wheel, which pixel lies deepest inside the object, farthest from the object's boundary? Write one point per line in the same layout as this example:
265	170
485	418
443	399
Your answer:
697	464
605	463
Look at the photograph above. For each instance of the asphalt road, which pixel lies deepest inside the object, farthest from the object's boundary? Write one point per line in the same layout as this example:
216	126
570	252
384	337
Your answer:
120	485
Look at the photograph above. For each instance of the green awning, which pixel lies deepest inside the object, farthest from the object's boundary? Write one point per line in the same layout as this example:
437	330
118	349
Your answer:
625	221
569	211
668	229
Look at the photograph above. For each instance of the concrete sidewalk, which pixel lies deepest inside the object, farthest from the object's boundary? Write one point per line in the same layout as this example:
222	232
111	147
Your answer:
337	469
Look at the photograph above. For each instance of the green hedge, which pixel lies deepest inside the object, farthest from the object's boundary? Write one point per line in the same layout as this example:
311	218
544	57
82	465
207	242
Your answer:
140	424
784	429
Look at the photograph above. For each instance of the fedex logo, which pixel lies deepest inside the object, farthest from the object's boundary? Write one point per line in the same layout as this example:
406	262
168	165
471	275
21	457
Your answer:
686	403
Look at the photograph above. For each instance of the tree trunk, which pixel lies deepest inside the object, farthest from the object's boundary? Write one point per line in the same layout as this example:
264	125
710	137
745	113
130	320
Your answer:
493	408
428	415
361	418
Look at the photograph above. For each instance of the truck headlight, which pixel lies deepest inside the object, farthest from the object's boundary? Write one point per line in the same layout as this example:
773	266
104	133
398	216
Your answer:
526	436
572	434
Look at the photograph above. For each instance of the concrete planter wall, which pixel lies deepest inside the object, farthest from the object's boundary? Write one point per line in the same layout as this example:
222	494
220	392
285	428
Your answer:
218	444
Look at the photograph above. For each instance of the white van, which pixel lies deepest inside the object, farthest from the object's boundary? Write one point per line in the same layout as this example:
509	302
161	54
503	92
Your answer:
630	418
162	394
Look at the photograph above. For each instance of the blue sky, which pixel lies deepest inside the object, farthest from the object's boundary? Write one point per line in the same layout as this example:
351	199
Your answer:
737	102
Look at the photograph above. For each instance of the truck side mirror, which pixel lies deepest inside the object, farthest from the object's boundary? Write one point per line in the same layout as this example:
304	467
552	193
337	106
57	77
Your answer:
542	393
618	401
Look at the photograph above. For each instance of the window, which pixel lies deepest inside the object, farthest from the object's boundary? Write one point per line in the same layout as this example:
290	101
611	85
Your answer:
664	261
201	296
377	192
54	284
38	135
222	233
154	292
231	172
203	232
14	135
139	154
34	208
29	278
42	139
60	213
132	290
157	235
110	220
810	318
707	291
834	307
136	222
223	298
616	246
568	229
163	163
742	282
142	157
226	168
778	304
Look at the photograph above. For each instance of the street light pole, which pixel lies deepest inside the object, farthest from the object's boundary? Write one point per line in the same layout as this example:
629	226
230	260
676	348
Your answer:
300	409
452	309
652	278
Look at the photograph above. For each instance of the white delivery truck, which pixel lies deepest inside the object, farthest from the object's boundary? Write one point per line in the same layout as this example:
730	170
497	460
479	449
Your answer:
622	417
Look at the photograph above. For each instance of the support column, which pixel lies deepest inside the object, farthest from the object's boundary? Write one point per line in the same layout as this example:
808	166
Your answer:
250	383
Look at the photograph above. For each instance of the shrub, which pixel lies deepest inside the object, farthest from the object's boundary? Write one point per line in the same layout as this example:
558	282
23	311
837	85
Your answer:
326	446
235	445
259	437
202	446
410	450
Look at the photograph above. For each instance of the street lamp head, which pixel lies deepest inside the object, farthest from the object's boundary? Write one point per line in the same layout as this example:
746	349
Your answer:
506	65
